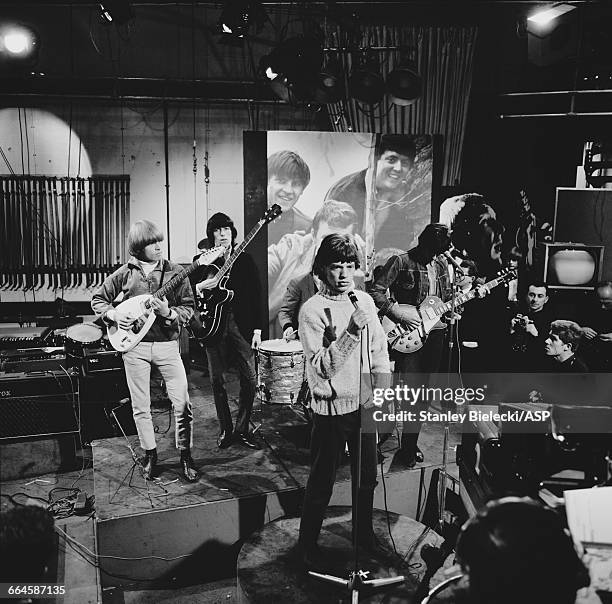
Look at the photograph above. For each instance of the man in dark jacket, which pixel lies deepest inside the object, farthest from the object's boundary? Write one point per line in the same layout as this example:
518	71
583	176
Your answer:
410	278
389	186
239	333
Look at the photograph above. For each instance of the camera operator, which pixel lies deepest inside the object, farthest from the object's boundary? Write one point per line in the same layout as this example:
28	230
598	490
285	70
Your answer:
529	329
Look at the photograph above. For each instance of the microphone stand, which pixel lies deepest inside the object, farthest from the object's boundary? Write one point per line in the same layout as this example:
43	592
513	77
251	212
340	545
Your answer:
357	580
451	345
434	557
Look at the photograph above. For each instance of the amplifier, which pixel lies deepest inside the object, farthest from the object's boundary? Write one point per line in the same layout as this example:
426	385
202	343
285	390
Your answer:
41	403
99	360
33	359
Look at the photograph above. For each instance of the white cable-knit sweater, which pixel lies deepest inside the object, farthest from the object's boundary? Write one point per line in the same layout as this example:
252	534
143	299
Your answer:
332	354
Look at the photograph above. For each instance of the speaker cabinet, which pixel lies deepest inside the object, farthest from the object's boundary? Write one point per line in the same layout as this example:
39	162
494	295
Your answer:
101	394
38	404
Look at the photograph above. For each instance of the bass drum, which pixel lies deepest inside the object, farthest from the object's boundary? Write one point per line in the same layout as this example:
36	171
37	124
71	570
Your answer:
280	371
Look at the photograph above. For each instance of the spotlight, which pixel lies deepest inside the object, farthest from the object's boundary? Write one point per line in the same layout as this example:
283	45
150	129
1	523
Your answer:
329	87
544	17
404	84
237	17
293	68
116	11
18	41
19	47
366	84
552	35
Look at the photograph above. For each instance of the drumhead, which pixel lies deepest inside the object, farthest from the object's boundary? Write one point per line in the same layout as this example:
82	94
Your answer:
281	346
84	333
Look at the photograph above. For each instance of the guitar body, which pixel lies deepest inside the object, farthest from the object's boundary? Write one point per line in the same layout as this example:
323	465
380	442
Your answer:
211	305
137	309
407	340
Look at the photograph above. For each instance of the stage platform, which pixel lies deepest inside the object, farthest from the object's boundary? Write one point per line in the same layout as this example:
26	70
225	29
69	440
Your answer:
170	532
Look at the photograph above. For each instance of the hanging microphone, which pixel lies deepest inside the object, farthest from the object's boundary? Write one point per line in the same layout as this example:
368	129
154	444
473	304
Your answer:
452	260
353	298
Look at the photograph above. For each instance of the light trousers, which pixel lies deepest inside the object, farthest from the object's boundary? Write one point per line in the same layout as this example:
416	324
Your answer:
165	356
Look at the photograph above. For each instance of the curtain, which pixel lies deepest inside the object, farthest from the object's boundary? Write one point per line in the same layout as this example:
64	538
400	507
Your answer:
62	232
444	58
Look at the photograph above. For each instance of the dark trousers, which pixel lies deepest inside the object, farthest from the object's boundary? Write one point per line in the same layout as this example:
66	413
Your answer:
329	435
217	351
425	360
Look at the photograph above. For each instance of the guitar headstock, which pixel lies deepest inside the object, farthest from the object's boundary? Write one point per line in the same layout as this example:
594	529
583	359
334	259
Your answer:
209	256
507	274
271	213
526	206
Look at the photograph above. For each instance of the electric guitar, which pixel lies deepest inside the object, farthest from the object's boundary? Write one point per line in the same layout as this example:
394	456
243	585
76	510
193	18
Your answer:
139	308
211	300
408	340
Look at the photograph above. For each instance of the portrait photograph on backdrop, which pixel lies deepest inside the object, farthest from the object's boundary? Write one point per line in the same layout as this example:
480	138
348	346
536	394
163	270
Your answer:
375	187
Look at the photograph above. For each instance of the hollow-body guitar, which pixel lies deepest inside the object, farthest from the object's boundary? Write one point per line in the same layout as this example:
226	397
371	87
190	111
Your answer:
139	308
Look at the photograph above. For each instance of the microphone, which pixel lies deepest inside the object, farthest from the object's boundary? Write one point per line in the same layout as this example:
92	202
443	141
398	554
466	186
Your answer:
452	260
353	298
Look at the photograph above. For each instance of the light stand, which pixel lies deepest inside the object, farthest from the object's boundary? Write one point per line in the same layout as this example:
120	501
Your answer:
357	580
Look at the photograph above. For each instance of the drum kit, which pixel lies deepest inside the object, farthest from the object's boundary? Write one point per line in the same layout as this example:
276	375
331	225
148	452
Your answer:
78	338
281	375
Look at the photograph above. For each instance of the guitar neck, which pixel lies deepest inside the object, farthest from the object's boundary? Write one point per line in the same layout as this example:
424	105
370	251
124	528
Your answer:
463	298
168	287
239	249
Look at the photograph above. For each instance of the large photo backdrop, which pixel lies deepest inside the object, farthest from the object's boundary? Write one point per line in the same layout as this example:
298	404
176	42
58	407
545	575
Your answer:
376	187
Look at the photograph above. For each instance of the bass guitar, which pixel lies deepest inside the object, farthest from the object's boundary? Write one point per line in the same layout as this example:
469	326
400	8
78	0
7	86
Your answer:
139	308
408	340
214	295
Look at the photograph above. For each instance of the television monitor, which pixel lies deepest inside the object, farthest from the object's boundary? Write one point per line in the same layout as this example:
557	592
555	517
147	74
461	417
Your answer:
572	265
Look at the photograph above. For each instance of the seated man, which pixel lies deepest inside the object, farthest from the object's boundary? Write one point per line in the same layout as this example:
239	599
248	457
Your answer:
561	345
529	329
516	550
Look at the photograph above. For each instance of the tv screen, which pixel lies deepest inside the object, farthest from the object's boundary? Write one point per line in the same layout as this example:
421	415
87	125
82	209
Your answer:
572	266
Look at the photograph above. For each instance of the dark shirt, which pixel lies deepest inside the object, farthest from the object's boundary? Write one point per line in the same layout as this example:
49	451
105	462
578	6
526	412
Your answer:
529	349
244	281
407	279
397	229
573	364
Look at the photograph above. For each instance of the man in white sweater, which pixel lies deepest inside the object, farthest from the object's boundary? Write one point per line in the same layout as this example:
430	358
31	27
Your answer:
331	329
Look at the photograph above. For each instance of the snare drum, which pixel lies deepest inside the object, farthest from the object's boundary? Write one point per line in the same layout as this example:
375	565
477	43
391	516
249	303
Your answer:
280	371
81	336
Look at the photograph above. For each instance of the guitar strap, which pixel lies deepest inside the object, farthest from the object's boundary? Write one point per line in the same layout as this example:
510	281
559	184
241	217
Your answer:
161	279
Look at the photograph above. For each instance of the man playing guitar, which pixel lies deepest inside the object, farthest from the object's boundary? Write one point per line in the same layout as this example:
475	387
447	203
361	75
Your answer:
145	273
410	278
239	330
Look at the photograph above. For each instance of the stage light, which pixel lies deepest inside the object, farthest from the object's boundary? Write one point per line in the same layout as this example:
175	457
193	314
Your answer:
238	16
544	17
116	11
293	68
366	84
404	84
18	41
329	87
552	35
